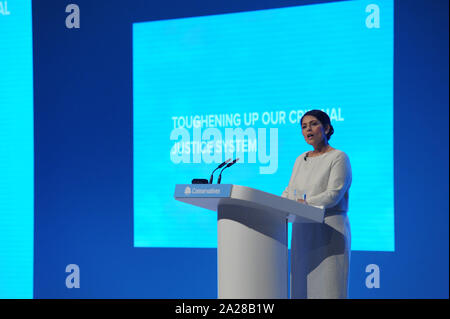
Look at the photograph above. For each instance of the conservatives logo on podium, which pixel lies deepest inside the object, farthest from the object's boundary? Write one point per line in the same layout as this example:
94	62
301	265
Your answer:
205	190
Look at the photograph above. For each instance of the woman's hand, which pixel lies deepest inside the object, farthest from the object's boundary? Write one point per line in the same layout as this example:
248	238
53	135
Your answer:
301	201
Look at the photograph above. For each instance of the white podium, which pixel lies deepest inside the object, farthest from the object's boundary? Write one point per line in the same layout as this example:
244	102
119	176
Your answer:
252	243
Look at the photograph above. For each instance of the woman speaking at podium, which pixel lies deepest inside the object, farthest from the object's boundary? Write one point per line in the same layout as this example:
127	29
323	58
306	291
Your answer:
320	253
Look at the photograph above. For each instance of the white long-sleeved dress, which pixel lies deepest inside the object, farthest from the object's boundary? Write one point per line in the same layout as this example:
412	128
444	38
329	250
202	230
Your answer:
320	253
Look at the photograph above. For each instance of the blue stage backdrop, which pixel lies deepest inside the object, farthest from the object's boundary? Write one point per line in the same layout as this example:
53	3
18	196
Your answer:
131	98
206	89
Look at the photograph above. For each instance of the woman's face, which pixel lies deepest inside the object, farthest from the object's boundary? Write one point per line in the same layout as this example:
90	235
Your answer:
313	130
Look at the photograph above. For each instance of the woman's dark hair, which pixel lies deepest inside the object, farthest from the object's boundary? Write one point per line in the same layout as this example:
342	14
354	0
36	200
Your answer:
323	118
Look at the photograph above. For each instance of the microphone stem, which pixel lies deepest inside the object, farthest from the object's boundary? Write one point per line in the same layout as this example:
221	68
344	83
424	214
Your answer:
220	175
226	166
212	175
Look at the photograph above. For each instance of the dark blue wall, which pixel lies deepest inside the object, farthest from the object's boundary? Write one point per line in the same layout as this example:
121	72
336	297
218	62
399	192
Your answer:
84	157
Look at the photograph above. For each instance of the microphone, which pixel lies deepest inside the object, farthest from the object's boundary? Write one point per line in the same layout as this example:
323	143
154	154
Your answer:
306	155
220	166
228	165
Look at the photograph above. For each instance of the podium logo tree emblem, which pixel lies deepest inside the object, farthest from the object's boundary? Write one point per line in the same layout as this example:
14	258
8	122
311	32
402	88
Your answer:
187	190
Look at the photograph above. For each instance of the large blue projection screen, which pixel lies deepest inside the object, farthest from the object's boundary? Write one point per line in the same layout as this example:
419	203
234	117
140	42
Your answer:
16	150
214	87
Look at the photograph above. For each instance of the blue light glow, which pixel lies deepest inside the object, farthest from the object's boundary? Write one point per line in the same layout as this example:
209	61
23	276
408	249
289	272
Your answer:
16	150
